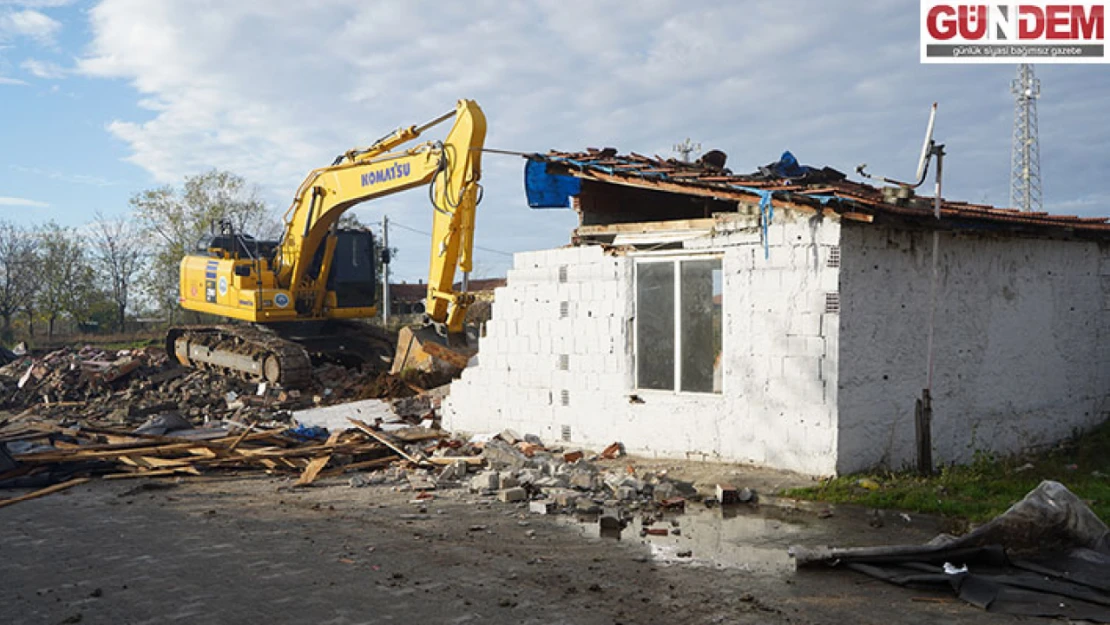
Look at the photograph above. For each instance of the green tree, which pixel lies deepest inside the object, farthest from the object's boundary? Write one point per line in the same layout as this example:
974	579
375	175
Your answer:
117	254
66	279
178	219
18	274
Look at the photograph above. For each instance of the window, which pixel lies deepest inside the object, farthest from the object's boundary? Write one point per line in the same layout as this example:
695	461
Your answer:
678	325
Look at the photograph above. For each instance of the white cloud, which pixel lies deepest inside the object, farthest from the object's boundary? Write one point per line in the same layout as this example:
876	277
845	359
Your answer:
11	81
28	23
44	69
95	181
271	89
19	201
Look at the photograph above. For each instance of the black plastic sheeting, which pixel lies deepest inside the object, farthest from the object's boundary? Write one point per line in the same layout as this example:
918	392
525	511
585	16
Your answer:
1048	555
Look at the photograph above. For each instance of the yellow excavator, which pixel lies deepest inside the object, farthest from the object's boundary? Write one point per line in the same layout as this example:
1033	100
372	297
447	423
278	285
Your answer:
307	288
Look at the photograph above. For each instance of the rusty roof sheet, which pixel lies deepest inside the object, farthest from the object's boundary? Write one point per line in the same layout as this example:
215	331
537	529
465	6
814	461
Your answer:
832	191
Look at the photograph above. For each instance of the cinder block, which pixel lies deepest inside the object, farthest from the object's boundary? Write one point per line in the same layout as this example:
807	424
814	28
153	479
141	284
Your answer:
800	368
510	495
828	232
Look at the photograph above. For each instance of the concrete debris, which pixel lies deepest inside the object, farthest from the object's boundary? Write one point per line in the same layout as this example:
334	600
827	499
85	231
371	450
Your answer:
509	495
87	412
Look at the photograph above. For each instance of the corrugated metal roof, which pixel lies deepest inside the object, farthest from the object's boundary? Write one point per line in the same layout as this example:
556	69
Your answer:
825	187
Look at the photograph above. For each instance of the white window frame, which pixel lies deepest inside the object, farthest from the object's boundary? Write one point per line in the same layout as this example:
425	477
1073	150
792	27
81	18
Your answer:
676	260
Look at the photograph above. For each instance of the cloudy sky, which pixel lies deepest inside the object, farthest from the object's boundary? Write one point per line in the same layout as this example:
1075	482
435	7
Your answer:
99	100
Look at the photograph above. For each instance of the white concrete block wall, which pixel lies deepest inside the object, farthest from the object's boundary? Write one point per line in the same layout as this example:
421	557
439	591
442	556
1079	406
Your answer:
775	408
1020	354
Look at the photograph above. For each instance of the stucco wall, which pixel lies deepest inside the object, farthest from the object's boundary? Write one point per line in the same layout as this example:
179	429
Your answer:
1022	343
779	357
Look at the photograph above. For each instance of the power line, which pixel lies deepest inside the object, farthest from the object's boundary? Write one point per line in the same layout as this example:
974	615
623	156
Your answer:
402	226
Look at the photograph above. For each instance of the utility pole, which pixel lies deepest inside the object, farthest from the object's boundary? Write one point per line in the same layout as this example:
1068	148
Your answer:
1025	151
686	148
385	270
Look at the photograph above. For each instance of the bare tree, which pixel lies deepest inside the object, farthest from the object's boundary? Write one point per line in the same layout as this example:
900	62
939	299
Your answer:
18	277
65	277
117	252
179	219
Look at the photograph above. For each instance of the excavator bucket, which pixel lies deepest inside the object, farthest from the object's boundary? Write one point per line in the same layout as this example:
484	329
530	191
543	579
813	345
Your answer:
424	349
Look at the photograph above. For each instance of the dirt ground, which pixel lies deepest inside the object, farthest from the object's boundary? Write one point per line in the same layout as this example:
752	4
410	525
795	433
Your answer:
251	549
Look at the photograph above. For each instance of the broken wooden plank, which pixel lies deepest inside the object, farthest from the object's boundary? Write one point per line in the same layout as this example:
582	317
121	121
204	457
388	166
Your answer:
446	354
365	427
45	491
153	473
317	464
354	466
244	435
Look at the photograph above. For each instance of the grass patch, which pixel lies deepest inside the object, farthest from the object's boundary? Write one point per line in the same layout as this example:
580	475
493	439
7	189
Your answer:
986	487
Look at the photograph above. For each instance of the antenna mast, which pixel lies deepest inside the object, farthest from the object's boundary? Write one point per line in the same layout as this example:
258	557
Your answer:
1025	153
686	148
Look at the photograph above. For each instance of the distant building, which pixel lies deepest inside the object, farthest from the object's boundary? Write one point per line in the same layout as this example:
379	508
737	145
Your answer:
408	299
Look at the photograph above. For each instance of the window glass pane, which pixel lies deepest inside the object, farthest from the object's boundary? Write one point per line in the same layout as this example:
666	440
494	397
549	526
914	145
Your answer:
655	331
701	324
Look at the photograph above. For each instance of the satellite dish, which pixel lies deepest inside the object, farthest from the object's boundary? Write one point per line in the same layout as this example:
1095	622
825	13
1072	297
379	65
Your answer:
927	147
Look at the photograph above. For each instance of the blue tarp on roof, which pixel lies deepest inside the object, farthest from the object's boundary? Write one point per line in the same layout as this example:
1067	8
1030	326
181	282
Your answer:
546	190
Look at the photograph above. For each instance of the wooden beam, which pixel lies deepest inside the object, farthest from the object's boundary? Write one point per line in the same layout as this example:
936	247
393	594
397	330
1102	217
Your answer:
382	439
45	491
647	226
239	439
354	466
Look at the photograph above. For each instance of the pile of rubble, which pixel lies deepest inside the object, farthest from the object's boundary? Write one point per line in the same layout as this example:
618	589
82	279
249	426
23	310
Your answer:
132	413
521	470
124	387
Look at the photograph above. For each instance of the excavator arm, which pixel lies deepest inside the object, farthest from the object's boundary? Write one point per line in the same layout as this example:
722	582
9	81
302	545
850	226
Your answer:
452	168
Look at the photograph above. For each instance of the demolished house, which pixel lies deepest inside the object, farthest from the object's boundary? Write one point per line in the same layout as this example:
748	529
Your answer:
783	319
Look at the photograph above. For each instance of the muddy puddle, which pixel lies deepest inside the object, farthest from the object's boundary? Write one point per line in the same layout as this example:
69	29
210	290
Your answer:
747	537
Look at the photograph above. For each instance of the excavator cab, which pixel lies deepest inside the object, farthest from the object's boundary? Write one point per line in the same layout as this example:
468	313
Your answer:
353	274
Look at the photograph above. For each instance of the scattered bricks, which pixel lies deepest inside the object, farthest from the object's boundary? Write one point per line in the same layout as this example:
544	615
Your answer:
542	506
485	481
509	436
510	495
528	449
727	494
655	531
507	480
616	450
674	503
573	456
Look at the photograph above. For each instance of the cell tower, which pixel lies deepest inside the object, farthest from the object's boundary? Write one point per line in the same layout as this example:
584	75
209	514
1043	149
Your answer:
1025	153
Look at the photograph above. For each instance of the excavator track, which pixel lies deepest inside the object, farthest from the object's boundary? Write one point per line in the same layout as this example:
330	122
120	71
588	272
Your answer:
246	351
